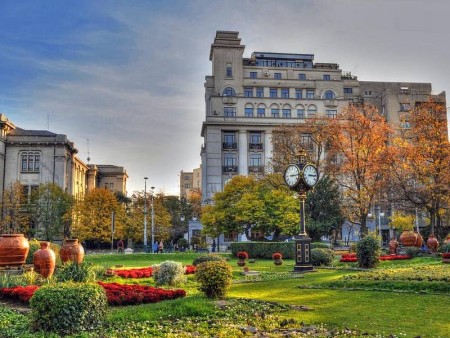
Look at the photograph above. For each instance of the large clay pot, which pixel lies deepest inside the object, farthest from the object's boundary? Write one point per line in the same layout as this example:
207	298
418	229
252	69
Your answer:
419	239
72	251
44	260
13	250
393	245
432	243
408	238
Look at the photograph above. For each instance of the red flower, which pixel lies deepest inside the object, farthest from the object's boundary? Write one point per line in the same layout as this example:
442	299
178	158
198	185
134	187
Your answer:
277	256
446	255
242	255
190	269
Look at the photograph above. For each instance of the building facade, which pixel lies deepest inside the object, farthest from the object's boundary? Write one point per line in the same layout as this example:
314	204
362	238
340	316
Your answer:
190	182
246	99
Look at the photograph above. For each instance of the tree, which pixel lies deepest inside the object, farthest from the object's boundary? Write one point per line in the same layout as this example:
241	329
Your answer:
358	159
93	216
422	162
51	211
247	205
15	218
323	210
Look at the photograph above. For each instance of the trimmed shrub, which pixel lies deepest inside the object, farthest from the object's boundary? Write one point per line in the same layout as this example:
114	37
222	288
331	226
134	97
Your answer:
68	308
242	255
321	256
72	272
168	273
444	248
263	249
214	278
412	251
207	258
368	252
321	245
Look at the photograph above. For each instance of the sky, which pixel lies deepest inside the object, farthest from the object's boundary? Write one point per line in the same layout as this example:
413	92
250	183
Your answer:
124	80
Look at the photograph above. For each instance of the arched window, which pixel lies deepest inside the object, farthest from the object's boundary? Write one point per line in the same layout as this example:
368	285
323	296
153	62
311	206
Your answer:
300	111
312	110
229	92
261	110
248	110
329	94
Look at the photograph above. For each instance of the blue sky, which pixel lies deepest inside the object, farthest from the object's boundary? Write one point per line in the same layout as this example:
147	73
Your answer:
129	75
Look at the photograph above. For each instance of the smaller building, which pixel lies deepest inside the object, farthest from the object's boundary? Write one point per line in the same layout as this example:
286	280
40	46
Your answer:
190	182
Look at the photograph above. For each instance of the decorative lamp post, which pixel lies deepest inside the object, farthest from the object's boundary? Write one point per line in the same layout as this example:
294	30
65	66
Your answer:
380	214
301	177
145	214
153	218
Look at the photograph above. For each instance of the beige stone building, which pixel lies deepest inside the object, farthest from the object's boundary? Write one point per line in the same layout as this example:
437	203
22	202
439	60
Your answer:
190	182
247	98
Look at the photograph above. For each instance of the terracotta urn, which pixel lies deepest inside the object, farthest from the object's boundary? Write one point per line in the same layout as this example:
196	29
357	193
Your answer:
419	239
72	251
432	243
241	262
44	260
13	250
408	238
393	245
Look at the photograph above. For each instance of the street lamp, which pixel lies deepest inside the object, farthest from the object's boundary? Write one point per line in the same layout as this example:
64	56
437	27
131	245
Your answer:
380	214
145	214
153	219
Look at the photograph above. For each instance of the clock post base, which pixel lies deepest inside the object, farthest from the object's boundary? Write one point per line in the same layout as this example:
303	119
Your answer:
302	254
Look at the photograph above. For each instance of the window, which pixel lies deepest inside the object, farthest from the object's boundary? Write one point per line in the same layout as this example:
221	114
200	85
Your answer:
306	141
301	113
298	93
255	138
406	125
229	138
326	77
229	70
331	113
329	94
275	112
253	75
259	92
229	160
187	185
248	92
229	111
312	111
348	90
367	92
302	77
255	160
30	161
310	94
405	106
285	93
261	112
286	113
229	92
186	178
249	112
277	76
273	93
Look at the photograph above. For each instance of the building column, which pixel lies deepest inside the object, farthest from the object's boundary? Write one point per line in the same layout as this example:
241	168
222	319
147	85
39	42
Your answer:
268	151
243	153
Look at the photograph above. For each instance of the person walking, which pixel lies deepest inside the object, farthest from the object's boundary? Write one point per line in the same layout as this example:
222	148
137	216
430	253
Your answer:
155	247
161	247
120	246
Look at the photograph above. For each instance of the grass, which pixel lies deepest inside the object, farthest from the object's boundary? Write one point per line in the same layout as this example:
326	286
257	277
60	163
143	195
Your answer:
370	310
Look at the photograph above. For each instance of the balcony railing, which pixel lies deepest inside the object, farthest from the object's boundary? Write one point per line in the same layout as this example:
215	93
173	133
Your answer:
229	145
230	169
256	170
255	146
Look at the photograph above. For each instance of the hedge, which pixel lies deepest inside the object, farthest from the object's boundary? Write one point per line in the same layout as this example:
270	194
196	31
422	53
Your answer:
263	249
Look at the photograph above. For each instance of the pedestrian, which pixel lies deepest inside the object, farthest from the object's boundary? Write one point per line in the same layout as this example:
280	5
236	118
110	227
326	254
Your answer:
161	247
120	246
214	245
155	247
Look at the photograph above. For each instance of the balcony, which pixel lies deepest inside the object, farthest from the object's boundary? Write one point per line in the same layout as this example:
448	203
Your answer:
230	169
256	170
255	146
330	103
229	145
229	100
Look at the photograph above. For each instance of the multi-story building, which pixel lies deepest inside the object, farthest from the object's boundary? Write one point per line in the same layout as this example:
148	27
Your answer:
248	98
33	157
190	182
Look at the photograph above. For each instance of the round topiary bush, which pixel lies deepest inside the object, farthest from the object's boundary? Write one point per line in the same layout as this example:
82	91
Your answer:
321	256
207	258
168	273
68	308
214	278
368	252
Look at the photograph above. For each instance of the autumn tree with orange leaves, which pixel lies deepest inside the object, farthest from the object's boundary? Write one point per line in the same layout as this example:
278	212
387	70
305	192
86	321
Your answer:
422	162
358	159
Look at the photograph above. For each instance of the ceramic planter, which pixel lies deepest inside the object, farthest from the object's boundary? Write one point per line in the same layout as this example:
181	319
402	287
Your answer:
44	260
408	238
13	250
278	261
432	243
72	251
393	245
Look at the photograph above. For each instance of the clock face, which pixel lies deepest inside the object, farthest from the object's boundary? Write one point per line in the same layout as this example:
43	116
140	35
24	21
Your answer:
292	175
310	175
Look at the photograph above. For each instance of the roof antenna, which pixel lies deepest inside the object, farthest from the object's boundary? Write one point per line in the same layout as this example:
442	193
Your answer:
89	154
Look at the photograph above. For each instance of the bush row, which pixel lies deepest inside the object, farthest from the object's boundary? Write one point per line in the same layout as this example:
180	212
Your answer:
266	249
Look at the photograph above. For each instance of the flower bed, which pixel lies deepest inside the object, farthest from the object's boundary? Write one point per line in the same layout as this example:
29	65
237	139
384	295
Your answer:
351	258
145	272
117	294
446	255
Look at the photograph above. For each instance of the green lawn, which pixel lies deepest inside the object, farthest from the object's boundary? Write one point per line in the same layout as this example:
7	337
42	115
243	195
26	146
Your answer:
400	314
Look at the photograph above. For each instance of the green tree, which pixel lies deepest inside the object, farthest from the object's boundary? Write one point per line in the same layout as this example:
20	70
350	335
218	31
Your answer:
248	205
51	211
324	215
15	218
